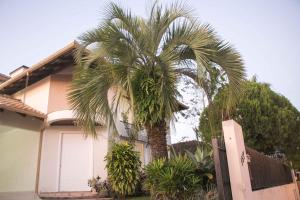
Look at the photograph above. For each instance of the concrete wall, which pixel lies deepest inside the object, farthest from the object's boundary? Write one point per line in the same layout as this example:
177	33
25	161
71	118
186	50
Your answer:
49	173
285	192
19	142
239	172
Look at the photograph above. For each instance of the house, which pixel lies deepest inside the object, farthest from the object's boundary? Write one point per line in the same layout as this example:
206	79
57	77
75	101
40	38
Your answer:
41	148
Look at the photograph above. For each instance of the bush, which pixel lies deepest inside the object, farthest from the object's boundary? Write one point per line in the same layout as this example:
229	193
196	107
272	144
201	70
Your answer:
208	193
123	165
203	159
172	179
103	188
140	188
97	185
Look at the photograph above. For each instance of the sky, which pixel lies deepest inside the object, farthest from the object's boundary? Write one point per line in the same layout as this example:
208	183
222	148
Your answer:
266	33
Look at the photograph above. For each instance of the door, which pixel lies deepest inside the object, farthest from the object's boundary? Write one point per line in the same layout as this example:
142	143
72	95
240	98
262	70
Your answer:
76	162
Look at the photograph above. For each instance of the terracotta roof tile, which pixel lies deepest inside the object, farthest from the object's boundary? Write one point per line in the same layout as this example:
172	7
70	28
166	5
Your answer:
15	105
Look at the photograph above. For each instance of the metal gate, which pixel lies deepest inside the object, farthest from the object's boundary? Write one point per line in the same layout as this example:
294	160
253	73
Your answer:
266	172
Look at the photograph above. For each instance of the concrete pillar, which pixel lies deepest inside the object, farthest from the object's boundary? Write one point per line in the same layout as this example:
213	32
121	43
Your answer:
237	161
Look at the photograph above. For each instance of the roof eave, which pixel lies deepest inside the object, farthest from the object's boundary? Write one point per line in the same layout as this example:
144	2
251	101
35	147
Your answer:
40	116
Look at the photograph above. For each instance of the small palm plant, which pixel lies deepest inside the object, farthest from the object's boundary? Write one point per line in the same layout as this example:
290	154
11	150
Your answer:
203	159
142	60
172	179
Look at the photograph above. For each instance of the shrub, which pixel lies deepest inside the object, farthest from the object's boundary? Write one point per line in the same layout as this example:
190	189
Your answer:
96	184
103	188
172	179
208	193
203	159
123	166
140	188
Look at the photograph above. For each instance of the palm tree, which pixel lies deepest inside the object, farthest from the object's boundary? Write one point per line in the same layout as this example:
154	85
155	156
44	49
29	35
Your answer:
143	59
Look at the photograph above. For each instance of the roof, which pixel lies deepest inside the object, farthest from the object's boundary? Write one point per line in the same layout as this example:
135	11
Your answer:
47	66
182	106
182	147
15	105
3	77
23	66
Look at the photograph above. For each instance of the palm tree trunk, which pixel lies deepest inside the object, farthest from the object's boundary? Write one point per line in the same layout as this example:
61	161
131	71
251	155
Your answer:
157	139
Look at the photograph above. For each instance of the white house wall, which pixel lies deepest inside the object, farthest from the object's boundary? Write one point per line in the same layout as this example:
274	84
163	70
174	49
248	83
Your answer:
100	151
49	172
147	153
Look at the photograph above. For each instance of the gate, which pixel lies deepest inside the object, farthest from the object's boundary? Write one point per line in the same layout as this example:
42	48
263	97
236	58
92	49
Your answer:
266	172
221	168
247	174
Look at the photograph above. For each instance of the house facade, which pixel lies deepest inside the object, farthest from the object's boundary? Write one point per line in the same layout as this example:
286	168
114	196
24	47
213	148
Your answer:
41	148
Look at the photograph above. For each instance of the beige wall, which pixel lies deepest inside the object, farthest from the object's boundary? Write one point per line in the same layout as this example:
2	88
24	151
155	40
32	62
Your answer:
140	147
49	173
36	95
49	94
283	192
19	141
59	86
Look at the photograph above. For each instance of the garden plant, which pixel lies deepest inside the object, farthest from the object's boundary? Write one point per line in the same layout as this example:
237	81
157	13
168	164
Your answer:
123	166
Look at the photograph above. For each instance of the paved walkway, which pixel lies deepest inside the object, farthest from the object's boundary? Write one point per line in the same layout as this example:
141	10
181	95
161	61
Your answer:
69	195
18	196
29	196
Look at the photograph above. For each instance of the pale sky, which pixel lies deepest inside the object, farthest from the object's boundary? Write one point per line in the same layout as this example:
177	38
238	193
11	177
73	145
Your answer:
266	33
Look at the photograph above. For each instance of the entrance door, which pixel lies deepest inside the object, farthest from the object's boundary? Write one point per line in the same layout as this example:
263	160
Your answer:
76	164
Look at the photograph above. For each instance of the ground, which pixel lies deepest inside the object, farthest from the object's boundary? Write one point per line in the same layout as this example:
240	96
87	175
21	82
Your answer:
32	196
139	198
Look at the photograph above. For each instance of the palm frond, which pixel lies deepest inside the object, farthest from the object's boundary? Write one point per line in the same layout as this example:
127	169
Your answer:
88	97
142	59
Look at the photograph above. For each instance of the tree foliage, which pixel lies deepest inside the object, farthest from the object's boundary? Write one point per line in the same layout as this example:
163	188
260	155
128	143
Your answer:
270	122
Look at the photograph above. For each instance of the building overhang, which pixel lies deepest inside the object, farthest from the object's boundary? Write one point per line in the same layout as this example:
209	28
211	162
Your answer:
65	117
